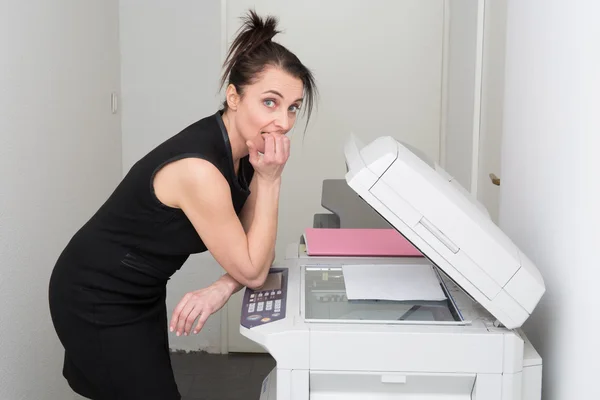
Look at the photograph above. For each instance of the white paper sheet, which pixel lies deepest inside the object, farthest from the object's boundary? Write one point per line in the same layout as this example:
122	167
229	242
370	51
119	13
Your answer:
392	282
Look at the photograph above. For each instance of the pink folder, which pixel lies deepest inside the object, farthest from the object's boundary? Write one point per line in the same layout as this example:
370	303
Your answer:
358	243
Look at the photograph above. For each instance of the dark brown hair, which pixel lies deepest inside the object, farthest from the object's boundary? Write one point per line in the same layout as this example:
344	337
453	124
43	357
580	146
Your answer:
252	50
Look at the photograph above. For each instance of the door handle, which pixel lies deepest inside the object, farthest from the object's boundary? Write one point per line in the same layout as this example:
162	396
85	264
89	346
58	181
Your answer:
495	179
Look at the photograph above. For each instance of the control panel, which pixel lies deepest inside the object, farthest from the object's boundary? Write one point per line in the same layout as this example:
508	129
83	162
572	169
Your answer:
267	304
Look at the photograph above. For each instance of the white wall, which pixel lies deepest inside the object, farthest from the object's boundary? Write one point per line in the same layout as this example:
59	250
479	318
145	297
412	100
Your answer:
550	191
171	55
60	152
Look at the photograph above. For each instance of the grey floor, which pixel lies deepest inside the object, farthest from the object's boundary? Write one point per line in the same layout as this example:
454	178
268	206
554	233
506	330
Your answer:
203	376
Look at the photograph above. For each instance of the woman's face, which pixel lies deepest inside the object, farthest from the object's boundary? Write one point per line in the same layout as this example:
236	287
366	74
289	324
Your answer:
269	105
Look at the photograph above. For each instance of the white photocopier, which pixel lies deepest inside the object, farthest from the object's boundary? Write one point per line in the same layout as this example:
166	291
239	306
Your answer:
468	346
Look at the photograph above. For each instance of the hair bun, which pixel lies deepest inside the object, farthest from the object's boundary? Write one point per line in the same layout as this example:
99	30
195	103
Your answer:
262	30
254	32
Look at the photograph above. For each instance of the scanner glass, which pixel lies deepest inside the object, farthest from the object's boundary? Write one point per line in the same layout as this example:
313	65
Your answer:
325	300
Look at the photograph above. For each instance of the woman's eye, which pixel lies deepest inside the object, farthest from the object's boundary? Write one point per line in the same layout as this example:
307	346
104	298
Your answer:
269	103
294	108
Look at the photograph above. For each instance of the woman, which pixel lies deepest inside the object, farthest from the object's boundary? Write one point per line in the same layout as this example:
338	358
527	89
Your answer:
214	186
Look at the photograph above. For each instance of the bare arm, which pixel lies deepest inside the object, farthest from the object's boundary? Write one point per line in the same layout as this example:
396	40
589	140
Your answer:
204	195
246	218
247	215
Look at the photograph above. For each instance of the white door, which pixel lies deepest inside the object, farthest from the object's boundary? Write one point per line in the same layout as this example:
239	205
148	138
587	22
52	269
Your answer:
472	114
491	106
378	66
462	79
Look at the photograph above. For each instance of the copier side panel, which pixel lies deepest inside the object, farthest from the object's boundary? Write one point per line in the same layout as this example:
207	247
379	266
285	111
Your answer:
385	348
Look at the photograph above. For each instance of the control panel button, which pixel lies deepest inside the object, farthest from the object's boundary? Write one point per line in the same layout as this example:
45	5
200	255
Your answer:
260	306
251	307
269	305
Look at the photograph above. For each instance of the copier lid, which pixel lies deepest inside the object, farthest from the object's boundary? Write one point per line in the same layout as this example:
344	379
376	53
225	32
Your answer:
445	222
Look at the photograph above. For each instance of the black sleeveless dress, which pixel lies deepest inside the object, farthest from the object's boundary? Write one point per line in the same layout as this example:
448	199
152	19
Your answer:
108	288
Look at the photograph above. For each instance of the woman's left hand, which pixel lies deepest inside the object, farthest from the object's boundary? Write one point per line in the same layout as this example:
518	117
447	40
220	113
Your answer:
200	303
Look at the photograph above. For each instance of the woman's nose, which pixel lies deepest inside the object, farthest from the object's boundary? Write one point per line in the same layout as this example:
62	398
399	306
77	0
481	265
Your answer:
283	122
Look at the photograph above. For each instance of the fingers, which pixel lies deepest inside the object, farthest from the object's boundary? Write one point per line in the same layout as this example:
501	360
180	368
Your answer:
184	320
286	148
282	149
189	321
270	163
184	316
201	321
177	312
269	148
277	149
253	152
187	311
